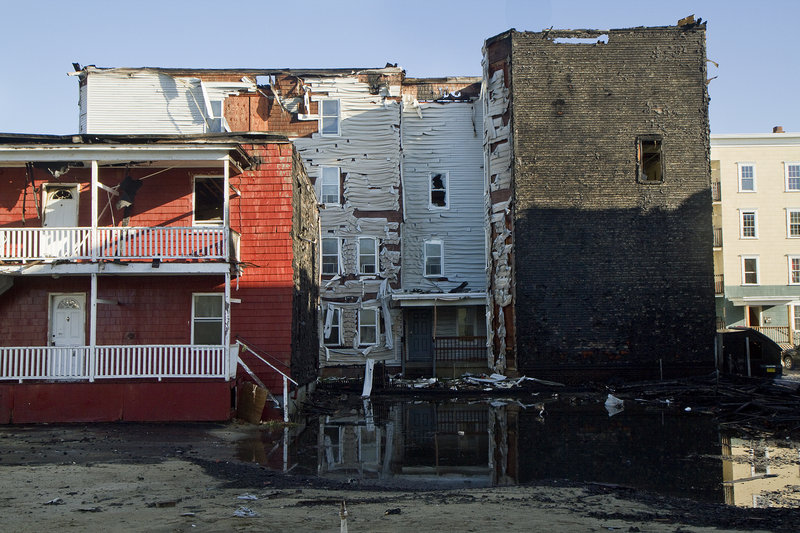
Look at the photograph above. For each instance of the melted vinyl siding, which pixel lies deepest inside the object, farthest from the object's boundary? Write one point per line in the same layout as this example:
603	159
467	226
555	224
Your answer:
444	139
144	102
82	109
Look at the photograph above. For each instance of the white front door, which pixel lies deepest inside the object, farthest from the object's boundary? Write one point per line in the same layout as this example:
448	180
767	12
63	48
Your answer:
67	331
60	211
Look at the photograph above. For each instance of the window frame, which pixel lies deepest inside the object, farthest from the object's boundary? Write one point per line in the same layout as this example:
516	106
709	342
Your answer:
376	326
739	168
786	166
336	322
375	255
338	256
338	185
757	270
640	163
208	222
790	259
789	211
425	258
221	297
742	214
446	178
322	117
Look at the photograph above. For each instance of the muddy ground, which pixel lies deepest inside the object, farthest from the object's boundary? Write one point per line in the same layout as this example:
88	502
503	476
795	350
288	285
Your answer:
185	477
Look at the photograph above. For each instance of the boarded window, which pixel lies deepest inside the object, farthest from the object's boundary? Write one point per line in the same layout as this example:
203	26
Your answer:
208	199
650	160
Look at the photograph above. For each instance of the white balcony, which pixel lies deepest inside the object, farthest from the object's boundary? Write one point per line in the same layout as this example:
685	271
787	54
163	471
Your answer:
114	243
76	363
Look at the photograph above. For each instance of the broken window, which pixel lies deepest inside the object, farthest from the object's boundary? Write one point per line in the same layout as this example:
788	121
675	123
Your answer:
329	122
749	270
208	200
747	177
793	176
333	331
367	255
330	256
748	224
329	187
207	318
438	190
433	258
368	326
650	160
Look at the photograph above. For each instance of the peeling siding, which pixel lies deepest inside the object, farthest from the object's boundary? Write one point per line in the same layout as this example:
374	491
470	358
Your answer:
444	138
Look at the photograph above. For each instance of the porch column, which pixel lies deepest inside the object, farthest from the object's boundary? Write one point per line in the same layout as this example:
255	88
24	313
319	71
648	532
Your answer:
92	322
226	324
226	200
95	187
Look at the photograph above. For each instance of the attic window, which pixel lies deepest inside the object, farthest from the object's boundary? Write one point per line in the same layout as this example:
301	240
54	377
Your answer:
650	162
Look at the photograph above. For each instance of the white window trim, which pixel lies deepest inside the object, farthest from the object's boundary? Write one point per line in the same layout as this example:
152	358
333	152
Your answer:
758	270
789	211
338	257
337	313
425	258
446	206
195	222
742	212
376	256
786	165
338	201
221	296
789	260
739	175
338	118
377	327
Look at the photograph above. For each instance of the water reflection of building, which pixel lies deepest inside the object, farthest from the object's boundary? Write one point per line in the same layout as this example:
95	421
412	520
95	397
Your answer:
422	442
760	473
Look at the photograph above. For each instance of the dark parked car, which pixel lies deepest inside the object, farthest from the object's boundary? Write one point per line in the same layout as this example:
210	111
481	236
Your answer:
789	358
741	346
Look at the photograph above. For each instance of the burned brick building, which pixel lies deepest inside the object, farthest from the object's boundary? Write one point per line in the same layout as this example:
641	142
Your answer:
597	151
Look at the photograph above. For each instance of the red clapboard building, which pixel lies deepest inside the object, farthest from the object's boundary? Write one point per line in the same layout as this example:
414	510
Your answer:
140	275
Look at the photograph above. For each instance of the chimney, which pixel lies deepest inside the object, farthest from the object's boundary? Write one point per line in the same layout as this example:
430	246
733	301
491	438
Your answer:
777	129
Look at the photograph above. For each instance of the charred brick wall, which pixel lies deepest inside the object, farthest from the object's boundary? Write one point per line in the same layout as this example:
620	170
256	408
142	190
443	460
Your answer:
611	267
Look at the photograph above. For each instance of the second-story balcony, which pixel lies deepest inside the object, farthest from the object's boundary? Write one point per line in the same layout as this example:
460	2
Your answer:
717	237
114	243
719	284
716	191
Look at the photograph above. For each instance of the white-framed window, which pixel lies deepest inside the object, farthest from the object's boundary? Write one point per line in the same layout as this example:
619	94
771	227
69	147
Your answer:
216	120
434	265
207	318
331	249
796	317
747	177
793	223
367	255
332	332
438	197
748	223
792	171
208	200
794	270
329	117
750	270
329	188
368	332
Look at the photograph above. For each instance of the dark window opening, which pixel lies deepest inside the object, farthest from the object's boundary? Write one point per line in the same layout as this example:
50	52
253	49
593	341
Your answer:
650	160
208	200
439	190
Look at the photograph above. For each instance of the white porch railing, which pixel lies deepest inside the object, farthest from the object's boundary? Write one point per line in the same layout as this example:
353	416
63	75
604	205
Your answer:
111	243
118	362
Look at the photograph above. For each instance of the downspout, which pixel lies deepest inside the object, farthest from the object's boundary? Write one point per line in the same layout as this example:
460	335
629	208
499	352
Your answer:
93	279
226	232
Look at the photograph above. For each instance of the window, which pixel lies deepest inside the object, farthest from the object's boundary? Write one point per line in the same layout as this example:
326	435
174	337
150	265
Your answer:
329	187
368	326
330	256
332	330
796	315
793	223
208	200
792	176
747	177
329	117
438	190
216	122
794	270
466	320
433	258
207	318
749	270
367	255
748	222
650	164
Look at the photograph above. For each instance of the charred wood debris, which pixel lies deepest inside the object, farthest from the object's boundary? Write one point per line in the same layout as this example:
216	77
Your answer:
767	406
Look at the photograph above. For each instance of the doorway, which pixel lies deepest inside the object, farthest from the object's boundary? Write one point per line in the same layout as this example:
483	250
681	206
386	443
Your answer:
60	211
753	316
67	334
420	335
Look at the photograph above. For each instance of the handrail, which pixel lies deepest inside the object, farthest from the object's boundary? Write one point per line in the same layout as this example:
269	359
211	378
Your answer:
273	367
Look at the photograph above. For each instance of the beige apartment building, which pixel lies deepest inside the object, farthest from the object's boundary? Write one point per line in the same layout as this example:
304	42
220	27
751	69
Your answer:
756	195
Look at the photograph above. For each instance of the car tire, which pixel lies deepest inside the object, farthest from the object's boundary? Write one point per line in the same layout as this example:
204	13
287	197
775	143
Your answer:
788	362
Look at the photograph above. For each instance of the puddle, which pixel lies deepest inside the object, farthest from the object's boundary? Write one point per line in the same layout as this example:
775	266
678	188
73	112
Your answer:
460	443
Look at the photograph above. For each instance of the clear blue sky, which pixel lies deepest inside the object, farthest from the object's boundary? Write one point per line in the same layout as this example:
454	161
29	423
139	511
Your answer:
755	44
